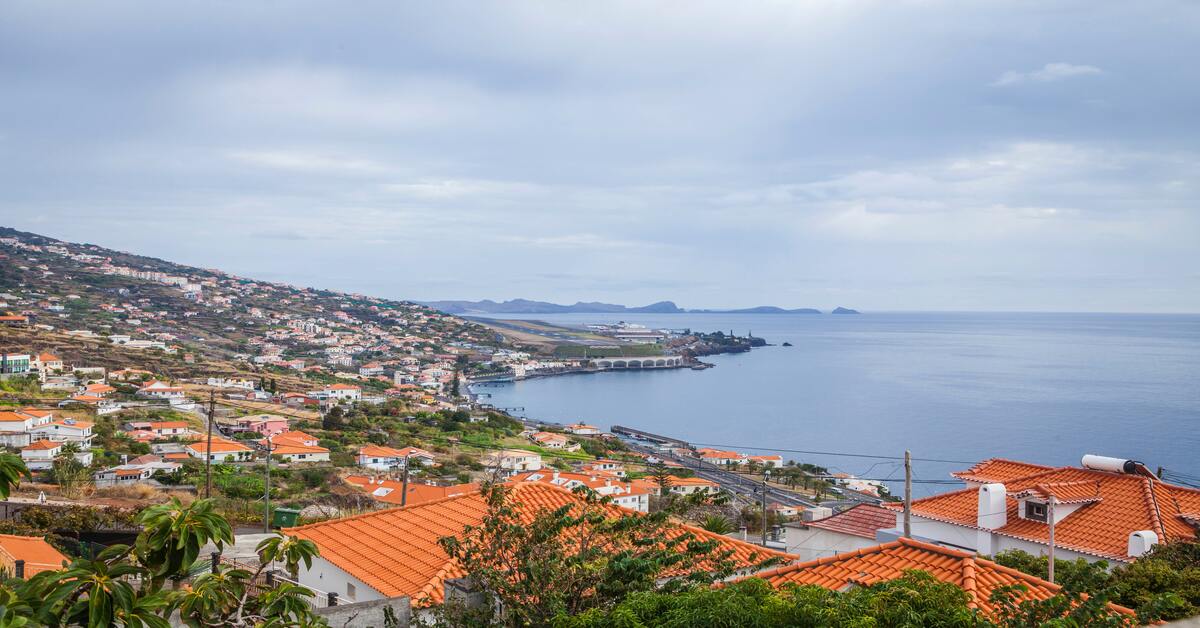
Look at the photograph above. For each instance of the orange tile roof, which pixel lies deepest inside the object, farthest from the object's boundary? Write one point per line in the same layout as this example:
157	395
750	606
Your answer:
218	446
396	551
862	520
417	493
1113	506
287	449
343	387
48	357
41	445
37	412
38	555
880	563
678	481
168	425
999	470
12	417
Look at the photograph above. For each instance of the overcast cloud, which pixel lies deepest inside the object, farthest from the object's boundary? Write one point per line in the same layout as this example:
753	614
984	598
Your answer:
881	155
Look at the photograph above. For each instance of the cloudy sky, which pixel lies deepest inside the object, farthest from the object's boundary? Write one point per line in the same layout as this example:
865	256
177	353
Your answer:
890	155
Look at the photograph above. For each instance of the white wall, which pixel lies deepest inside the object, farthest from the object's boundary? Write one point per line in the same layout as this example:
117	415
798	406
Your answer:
812	543
326	577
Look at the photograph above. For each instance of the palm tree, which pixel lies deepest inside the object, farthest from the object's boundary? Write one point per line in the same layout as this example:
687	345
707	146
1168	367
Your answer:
717	524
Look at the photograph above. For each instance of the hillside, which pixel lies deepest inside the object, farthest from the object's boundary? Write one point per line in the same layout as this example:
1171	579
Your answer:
79	297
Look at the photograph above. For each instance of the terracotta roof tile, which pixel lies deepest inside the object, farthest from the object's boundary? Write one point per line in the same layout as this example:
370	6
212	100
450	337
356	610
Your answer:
977	576
1114	505
396	551
38	555
862	520
999	470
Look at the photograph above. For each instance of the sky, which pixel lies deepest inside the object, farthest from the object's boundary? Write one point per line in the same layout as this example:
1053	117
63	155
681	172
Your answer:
889	155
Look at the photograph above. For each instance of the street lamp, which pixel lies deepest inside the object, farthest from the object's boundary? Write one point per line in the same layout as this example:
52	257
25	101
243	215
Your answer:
766	477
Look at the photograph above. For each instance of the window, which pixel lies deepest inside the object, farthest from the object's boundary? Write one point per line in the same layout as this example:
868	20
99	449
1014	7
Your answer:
1035	511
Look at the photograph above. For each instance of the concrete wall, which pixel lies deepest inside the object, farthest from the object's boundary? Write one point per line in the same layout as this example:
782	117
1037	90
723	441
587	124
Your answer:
368	614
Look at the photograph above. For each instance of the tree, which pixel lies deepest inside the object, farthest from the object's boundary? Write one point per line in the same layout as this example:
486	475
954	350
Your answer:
578	557
662	477
99	592
72	476
717	524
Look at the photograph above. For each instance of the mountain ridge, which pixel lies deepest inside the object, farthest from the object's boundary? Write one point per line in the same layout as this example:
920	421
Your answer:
527	306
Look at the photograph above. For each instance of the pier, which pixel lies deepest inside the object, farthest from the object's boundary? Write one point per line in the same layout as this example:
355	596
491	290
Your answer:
648	436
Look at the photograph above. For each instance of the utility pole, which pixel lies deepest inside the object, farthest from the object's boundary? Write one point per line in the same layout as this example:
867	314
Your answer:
1050	520
212	405
267	492
907	494
766	475
404	485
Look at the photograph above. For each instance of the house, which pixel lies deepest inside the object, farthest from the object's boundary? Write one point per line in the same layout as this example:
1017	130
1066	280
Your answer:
718	457
35	554
1108	508
126	375
846	531
582	429
15	364
687	486
138	470
773	462
370	556
222	450
64	430
40	454
265	424
371	369
977	576
296	446
625	494
337	393
512	460
549	440
169	429
606	467
98	390
381	458
391	492
160	390
784	510
48	363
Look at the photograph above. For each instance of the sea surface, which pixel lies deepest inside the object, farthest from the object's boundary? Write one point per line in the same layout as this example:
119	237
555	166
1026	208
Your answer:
959	387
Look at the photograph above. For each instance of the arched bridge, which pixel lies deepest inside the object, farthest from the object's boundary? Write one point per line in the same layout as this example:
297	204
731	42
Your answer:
651	362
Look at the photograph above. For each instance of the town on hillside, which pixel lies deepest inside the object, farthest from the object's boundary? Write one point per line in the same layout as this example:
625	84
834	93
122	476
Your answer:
347	422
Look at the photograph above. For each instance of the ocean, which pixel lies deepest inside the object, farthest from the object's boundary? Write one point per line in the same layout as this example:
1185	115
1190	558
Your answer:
952	387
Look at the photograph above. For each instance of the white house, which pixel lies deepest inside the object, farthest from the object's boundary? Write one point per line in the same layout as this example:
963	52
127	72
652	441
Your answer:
64	430
515	460
222	450
382	458
338	392
846	531
1109	508
296	446
582	429
40	455
626	494
161	390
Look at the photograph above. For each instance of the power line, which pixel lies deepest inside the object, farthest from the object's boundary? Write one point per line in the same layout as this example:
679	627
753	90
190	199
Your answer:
832	453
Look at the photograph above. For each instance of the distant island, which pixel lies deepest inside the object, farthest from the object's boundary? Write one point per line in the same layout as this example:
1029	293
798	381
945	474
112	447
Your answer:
843	310
526	306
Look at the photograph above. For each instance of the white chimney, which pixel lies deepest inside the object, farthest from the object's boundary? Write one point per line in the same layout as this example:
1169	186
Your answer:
1141	541
1105	463
993	510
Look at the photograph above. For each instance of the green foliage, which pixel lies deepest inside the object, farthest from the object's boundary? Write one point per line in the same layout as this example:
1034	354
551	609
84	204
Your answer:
717	524
12	469
1163	584
916	599
579	557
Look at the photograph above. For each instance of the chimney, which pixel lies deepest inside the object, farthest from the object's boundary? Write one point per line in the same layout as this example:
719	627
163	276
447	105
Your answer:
1141	541
993	509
